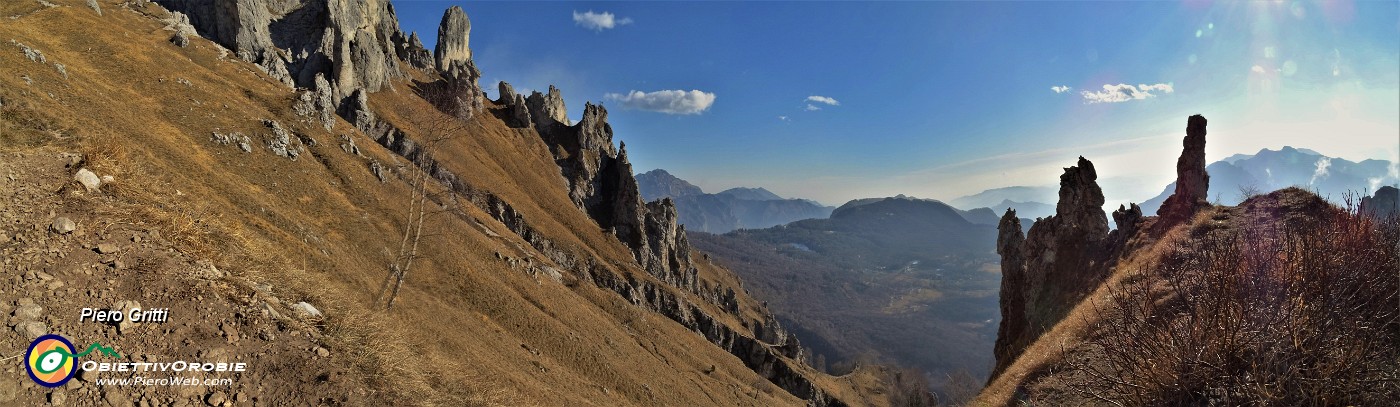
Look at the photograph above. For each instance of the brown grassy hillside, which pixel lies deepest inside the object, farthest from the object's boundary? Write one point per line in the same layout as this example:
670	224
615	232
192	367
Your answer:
472	325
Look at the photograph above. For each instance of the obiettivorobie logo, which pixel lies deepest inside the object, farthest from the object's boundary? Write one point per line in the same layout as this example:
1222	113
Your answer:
51	361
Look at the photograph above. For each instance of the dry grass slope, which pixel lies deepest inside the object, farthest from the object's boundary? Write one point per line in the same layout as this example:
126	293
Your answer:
467	330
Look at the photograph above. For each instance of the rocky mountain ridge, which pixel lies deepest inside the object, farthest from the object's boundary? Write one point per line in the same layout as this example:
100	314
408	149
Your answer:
1064	257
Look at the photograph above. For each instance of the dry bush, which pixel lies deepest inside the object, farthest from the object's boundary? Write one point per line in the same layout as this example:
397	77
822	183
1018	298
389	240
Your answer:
1298	313
909	388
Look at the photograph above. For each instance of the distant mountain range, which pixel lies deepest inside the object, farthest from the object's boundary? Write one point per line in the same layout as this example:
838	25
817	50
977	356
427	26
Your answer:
734	208
1262	172
1271	170
905	280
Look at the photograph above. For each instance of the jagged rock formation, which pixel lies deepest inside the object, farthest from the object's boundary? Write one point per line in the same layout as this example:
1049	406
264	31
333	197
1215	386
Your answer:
413	52
1385	203
515	113
1011	333
458	93
547	109
1192	181
293	41
1065	256
1060	260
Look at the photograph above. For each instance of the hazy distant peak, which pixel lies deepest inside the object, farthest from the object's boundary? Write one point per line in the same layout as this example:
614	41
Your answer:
751	194
658	183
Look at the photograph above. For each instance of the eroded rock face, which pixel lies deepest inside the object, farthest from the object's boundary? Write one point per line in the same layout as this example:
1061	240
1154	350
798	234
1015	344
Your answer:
458	93
1061	259
1011	333
351	44
1192	181
454	33
547	109
412	52
516	113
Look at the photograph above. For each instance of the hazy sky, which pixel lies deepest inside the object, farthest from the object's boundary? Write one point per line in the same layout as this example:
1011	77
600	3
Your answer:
835	101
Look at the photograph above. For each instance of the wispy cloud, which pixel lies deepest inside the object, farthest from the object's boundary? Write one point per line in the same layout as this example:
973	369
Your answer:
1321	172
823	99
666	101
1060	89
783	118
1124	92
599	21
810	107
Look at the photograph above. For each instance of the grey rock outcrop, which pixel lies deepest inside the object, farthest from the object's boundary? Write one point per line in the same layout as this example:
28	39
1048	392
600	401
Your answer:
547	109
317	103
412	52
458	92
516	113
454	35
348	41
282	142
1192	181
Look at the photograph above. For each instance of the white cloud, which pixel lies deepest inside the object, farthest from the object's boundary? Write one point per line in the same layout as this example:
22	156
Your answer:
783	118
1321	171
599	21
1124	92
1060	89
811	107
823	99
666	101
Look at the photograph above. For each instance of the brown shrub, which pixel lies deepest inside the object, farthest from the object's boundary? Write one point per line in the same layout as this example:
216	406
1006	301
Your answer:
1282	312
909	388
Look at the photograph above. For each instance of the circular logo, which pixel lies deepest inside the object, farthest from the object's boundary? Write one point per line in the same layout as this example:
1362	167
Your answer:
50	360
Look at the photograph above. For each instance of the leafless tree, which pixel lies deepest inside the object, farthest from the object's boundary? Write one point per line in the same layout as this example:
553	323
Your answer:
437	130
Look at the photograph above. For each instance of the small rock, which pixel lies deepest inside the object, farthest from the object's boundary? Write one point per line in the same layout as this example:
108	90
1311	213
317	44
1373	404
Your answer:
107	179
306	310
126	325
88	179
114	397
93	5
63	226
322	352
57	397
216	398
31	329
107	248
28	312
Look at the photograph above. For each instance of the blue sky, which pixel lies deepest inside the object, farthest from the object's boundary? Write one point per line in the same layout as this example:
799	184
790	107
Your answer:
940	100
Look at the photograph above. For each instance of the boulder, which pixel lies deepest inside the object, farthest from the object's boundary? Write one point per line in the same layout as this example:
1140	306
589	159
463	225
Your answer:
305	310
63	226
89	180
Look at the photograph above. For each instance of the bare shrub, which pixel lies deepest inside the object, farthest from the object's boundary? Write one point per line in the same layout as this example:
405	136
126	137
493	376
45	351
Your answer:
909	388
1292	312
